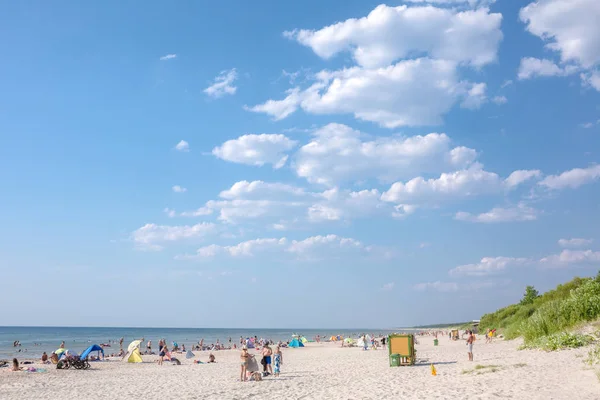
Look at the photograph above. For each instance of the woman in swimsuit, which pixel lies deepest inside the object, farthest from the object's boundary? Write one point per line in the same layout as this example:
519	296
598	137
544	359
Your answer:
244	357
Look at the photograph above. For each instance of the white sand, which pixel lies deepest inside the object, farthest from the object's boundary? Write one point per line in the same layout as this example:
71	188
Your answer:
327	371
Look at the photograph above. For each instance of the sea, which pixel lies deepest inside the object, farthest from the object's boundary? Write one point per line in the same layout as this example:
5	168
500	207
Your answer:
36	340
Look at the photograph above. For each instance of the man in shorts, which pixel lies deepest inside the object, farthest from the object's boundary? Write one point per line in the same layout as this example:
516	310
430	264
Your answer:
470	340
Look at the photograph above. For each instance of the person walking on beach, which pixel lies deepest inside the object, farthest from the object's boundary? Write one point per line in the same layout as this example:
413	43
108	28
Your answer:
470	340
121	342
277	361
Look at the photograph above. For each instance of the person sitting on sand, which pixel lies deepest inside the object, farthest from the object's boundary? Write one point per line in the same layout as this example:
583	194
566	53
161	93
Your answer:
15	366
162	354
211	358
44	358
62	345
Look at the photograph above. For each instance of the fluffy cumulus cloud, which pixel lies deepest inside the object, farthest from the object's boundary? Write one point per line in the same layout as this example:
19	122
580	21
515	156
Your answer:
168	57
574	242
179	189
473	181
256	150
311	248
338	154
572	179
388	34
153	236
500	214
389	84
534	67
284	204
570	28
437	286
518	177
223	84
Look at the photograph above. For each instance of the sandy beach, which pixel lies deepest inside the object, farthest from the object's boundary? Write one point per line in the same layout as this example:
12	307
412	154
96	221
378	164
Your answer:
326	371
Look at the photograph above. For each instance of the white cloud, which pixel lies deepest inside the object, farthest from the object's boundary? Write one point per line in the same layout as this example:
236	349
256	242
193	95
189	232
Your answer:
170	213
408	93
520	176
320	212
492	265
388	286
179	189
261	189
182	146
392	33
150	236
464	183
533	67
256	150
279	109
573	178
489	265
506	83
223	84
437	286
499	214
338	153
569	27
168	57
574	242
587	125
571	257
472	3
591	79
499	100
311	248
408	65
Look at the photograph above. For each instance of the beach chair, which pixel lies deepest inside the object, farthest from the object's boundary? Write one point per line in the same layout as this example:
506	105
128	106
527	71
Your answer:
401	350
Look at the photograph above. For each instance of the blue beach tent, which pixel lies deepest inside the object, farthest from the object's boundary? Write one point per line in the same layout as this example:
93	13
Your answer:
94	347
295	343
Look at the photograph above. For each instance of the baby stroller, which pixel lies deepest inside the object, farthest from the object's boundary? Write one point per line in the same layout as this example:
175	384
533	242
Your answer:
73	361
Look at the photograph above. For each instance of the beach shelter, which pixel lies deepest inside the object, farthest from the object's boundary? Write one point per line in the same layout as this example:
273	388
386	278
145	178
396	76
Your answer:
349	341
133	352
333	339
189	354
134	356
94	347
296	343
303	340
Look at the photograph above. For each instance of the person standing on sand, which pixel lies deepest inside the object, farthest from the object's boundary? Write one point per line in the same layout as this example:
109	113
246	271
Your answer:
244	357
470	340
267	353
121	342
277	360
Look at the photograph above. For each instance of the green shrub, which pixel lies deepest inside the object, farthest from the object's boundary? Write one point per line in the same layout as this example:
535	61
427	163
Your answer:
559	341
593	357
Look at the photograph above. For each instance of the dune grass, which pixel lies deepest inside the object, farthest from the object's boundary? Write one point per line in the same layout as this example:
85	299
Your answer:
544	321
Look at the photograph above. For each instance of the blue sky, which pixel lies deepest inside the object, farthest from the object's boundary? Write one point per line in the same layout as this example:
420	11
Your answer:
327	164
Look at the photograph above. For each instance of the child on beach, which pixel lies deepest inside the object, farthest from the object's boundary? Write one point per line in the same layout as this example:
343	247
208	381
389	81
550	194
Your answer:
277	360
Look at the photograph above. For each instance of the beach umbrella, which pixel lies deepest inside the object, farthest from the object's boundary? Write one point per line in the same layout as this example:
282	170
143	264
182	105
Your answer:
133	345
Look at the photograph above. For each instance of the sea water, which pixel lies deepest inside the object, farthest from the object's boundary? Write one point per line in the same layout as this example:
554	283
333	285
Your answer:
36	340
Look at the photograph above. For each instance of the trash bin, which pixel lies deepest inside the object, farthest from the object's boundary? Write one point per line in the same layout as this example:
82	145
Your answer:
435	342
394	360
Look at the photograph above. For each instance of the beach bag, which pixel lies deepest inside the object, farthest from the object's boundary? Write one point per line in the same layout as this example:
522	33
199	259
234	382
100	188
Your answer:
263	361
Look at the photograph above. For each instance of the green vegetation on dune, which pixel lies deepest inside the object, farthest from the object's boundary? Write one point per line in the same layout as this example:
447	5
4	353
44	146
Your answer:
542	320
